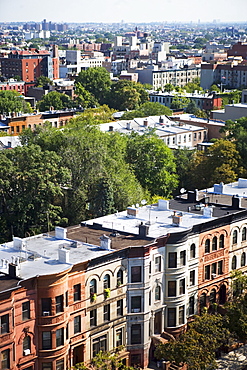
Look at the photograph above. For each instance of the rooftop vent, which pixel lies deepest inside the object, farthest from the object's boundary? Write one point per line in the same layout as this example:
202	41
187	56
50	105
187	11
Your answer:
219	188
207	212
63	255
60	232
19	243
105	242
163	205
242	183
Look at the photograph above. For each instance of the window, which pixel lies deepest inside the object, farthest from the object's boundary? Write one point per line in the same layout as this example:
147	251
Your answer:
171	317
157	293
192	250
214	244
136	334
157	264
120	277
181	315
221	241
99	344
191	305
172	291
77	292
26	345
77	324
243	259
46	306
107	312
93	286
235	237
182	286
5	359
244	234
59	303
93	318
119	337
120	307
207	272
47	366
207	246
136	275
25	311
192	277
234	263
136	304
4	324
67	331
220	267
59	337
106	281
172	259
203	300
212	297
182	258
46	340
66	298
214	270
60	364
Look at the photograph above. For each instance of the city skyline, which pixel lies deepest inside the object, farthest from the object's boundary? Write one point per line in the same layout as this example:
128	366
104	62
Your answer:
115	11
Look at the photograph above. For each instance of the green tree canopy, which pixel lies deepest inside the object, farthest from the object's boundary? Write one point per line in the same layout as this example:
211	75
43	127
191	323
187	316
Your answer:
179	102
148	109
153	163
126	95
12	101
97	81
56	100
43	81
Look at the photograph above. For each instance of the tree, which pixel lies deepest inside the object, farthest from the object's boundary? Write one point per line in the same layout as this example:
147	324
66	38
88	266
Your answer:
97	81
56	100
126	95
179	102
103	361
84	97
43	81
191	107
153	163
214	88
12	101
169	87
30	187
220	163
196	348
148	109
183	159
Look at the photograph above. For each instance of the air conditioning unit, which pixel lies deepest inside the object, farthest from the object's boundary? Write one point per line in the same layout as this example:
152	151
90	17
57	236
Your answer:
27	352
214	276
46	313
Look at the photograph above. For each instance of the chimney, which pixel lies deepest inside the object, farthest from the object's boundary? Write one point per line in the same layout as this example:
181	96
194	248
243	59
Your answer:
176	218
143	230
192	196
105	242
128	126
60	232
145	122
110	128
63	255
161	120
18	243
132	212
218	188
236	202
12	270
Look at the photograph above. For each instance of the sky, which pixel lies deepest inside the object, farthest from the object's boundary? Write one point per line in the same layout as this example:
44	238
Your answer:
114	11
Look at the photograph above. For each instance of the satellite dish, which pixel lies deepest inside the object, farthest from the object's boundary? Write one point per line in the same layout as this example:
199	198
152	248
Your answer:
143	202
182	190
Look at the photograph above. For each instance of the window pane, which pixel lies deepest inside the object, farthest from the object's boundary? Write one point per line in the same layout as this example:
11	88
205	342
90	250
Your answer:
120	307
119	337
46	340
77	324
157	263
59	337
93	318
182	286
171	317
136	334
59	303
4	322
172	289
136	304
181	315
77	292
46	306
172	260
136	274
107	312
26	310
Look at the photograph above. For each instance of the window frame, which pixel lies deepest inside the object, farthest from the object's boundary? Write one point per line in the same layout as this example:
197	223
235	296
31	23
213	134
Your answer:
77	292
26	311
136	274
77	324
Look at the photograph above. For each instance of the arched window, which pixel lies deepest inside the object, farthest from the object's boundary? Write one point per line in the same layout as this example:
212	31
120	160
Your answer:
221	241
192	250
106	281
93	286
207	246
157	293
120	277
243	234
212	296
234	263
243	259
214	244
235	237
203	300
26	345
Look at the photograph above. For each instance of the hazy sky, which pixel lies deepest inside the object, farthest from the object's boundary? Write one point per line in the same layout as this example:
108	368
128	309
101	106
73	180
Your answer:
136	11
